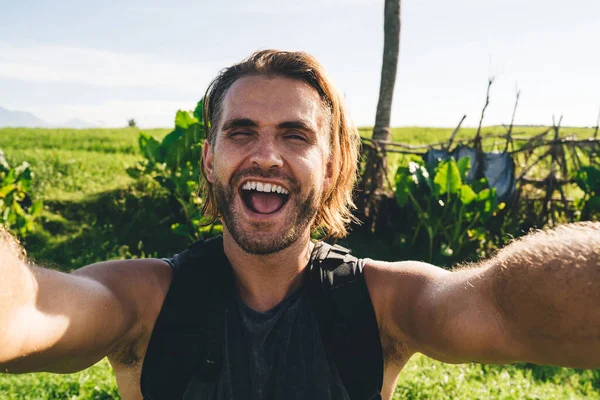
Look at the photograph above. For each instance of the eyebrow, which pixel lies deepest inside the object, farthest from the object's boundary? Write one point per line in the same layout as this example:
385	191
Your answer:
239	123
248	123
301	125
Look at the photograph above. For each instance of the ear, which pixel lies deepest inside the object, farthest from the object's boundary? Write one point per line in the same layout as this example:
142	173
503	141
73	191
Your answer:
328	177
207	161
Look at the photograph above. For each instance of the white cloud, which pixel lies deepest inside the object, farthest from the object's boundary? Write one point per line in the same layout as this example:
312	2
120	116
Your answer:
53	63
307	6
115	113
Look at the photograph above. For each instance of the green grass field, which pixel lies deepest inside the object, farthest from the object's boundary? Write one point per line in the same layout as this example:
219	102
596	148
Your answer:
94	211
422	378
73	164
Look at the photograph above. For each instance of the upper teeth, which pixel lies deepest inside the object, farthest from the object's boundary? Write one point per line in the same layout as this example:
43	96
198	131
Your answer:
264	187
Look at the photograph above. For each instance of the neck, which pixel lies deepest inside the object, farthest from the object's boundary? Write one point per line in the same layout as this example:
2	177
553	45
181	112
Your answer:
263	281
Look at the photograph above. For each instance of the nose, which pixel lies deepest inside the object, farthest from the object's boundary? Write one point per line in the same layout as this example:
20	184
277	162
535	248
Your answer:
266	155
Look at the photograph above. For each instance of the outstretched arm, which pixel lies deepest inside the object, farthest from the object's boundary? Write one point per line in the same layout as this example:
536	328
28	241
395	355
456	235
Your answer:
547	288
537	300
57	322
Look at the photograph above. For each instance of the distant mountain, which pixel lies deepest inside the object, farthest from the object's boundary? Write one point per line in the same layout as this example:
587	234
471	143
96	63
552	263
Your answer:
20	119
10	118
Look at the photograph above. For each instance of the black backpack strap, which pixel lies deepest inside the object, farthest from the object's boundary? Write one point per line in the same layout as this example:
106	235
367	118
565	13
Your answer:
347	320
187	339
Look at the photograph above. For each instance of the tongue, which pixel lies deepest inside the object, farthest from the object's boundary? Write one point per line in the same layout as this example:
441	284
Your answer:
266	203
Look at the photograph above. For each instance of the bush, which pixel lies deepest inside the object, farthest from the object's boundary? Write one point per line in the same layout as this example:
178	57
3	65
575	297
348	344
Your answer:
444	216
588	180
17	211
175	164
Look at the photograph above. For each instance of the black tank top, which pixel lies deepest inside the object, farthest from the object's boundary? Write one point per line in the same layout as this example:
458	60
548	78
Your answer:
277	354
208	344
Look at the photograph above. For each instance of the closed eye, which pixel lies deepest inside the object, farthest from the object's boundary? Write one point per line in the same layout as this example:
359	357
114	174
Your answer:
295	136
240	134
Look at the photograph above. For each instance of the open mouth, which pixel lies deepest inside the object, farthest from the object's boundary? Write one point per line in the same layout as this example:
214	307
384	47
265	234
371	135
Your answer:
264	198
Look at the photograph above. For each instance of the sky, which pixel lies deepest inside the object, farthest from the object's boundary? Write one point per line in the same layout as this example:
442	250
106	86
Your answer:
108	61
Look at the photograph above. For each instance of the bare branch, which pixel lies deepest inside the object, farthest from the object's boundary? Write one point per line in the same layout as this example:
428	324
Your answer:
487	102
455	132
512	121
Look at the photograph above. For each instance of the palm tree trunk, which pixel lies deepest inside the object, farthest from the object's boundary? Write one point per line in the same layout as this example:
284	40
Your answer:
374	175
391	52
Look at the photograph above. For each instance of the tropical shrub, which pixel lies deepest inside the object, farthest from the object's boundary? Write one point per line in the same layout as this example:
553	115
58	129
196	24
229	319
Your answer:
174	163
444	216
588	180
17	211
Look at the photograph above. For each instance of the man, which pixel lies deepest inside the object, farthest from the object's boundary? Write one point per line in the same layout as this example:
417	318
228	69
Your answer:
280	162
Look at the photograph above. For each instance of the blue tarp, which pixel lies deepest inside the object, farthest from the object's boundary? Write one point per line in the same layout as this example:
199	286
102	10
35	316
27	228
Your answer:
498	168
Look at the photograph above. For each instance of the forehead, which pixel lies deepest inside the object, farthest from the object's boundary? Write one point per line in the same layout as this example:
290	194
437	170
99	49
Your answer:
272	100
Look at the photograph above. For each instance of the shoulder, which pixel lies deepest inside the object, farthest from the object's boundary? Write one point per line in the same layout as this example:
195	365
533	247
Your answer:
129	277
399	292
402	280
430	308
140	287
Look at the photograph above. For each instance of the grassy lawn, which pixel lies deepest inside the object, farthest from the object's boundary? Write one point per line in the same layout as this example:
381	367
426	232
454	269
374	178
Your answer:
94	211
422	378
72	164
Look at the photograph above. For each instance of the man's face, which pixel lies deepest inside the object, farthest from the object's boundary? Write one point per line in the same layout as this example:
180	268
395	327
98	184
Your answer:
269	164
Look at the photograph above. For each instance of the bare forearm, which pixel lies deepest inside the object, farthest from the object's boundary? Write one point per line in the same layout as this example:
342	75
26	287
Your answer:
17	286
547	286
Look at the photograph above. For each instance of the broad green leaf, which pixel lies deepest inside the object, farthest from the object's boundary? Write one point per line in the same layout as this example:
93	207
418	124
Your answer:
21	223
11	177
594	178
467	195
485	201
6	214
183	119
403	185
485	194
149	147
447	178
24	177
182	146
198	112
17	209
134	172
588	179
36	208
581	179
464	165
420	176
479	185
5	189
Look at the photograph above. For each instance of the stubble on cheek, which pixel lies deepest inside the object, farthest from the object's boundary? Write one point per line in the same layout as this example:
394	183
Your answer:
303	211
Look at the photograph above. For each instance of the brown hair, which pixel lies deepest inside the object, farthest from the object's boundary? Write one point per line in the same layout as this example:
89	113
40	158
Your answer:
335	213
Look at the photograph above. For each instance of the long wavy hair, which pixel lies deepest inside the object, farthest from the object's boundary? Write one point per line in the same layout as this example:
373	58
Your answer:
335	213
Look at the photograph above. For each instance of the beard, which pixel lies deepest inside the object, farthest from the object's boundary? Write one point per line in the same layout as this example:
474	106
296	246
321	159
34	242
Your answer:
301	214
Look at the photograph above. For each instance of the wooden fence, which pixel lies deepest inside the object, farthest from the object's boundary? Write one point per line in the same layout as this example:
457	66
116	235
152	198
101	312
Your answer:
545	166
